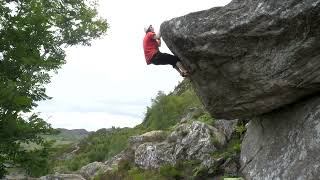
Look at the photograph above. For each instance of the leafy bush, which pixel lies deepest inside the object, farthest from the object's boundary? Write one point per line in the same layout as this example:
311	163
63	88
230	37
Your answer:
241	129
166	110
206	118
170	172
199	171
233	147
139	174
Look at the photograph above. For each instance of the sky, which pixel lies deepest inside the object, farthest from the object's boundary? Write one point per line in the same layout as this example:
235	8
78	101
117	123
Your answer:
108	83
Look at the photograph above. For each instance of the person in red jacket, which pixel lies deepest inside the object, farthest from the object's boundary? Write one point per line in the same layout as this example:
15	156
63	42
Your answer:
151	44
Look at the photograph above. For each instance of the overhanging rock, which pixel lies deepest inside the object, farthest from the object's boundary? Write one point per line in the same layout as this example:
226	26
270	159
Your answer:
251	56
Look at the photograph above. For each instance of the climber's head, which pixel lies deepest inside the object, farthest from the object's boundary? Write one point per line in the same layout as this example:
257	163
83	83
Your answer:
148	28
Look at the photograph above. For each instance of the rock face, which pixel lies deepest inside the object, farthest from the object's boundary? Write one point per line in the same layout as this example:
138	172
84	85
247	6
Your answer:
154	155
125	155
284	144
195	141
152	136
90	170
259	59
58	176
251	56
226	126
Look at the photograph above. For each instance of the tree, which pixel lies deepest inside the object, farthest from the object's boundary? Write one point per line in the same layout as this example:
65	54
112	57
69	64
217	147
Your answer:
33	35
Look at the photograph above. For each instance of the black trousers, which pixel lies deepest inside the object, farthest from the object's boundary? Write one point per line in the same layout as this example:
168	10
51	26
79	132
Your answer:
164	59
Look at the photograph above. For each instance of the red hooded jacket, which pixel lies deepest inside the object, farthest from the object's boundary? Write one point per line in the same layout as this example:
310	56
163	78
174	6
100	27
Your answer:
150	46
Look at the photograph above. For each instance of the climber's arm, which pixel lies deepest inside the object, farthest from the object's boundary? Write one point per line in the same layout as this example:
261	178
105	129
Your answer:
157	36
159	42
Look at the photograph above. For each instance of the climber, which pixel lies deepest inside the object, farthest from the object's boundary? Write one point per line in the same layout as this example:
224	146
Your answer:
151	44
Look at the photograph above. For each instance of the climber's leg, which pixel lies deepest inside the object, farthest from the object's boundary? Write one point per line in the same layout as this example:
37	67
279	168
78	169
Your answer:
165	59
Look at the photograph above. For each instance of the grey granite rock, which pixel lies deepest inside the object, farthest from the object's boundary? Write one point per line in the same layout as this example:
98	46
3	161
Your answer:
284	144
189	141
226	126
250	56
90	170
152	136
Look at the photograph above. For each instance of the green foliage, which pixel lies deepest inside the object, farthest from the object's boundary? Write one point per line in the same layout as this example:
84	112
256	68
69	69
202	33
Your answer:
127	171
37	163
139	174
182	170
199	171
241	129
64	136
233	147
15	131
206	118
76	163
33	33
166	110
169	171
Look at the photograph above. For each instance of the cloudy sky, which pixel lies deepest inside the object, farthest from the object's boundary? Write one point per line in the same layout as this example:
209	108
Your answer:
109	84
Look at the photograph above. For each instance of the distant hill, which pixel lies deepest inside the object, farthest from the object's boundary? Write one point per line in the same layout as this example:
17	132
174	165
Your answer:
73	134
67	136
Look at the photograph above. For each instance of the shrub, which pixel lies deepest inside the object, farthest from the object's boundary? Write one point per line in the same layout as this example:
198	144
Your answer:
170	172
241	129
166	110
206	118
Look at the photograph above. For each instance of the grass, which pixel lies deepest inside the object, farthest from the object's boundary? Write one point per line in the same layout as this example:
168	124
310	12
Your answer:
233	147
206	118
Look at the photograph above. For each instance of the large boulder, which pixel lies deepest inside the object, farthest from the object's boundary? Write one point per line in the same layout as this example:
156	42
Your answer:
284	144
154	155
126	155
196	140
189	141
90	170
251	56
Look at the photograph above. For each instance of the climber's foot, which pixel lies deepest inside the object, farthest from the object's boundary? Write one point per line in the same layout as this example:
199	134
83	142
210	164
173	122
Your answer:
185	74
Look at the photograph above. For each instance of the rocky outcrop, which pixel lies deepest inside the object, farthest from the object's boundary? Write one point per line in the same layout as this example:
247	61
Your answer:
284	144
189	141
152	136
58	176
226	126
125	155
154	155
91	170
251	56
